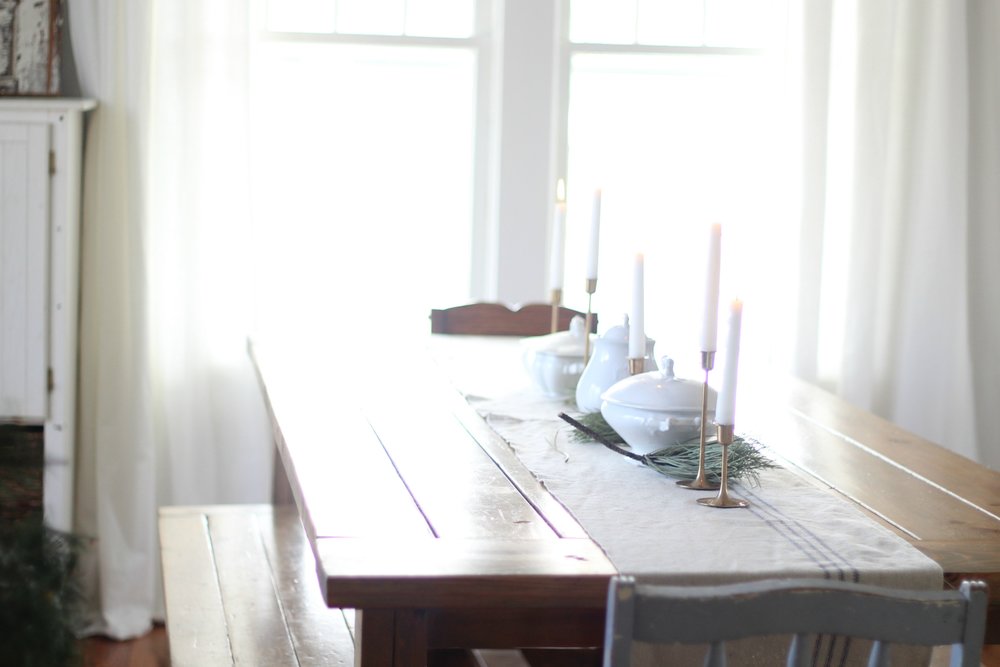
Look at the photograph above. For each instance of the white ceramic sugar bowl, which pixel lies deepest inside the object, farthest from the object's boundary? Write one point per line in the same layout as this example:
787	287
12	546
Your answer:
555	361
608	364
651	411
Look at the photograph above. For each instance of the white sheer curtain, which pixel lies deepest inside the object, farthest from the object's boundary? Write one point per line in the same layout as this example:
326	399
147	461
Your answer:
170	412
899	302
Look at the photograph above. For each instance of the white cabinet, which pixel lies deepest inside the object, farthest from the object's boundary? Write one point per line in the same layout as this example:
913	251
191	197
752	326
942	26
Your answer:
40	176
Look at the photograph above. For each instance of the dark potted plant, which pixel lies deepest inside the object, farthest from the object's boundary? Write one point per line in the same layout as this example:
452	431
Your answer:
39	592
39	595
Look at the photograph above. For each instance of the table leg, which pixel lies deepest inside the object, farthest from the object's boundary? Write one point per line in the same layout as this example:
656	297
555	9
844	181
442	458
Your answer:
374	636
390	638
461	657
411	638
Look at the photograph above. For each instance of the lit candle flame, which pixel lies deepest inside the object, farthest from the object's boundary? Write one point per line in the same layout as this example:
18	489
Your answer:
561	190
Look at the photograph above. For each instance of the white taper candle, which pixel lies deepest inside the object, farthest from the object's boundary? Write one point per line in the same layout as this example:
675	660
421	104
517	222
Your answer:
710	321
556	262
637	320
726	407
595	237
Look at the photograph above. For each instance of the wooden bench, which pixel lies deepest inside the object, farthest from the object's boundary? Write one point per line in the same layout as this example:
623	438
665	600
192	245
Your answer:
241	587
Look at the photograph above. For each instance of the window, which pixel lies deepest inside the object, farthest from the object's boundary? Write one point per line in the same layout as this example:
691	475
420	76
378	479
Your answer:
364	120
397	160
672	110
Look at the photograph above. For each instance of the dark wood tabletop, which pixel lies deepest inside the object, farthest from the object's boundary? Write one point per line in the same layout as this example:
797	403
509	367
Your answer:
424	521
944	504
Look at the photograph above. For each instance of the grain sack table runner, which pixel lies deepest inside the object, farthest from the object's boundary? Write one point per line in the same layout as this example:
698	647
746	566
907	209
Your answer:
654	530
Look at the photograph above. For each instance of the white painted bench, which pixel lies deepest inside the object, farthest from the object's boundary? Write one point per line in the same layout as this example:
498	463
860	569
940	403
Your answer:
241	589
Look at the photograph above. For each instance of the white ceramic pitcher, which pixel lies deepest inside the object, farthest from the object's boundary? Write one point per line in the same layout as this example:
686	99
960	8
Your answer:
608	364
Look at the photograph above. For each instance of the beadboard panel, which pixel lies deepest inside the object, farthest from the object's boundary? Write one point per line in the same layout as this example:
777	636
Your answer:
24	245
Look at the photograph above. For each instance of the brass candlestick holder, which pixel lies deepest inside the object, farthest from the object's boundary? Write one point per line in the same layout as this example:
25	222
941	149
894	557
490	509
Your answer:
724	500
700	482
556	298
588	322
636	366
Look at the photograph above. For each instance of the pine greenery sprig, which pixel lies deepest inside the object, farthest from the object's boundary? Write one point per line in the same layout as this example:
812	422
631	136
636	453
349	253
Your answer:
680	460
40	596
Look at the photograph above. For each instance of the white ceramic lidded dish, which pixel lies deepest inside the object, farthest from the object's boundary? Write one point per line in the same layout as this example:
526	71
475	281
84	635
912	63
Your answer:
555	361
651	411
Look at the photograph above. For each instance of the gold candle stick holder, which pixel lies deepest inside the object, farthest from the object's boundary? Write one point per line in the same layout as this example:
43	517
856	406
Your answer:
556	299
701	482
724	500
636	366
588	322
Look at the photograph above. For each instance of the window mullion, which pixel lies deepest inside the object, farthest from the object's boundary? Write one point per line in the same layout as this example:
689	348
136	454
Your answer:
560	119
525	190
482	281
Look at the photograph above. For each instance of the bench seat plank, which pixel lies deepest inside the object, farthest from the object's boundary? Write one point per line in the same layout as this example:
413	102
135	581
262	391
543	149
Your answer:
240	589
255	624
321	636
196	620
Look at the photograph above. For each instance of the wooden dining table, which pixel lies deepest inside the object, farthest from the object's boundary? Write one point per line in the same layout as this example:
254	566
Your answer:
424	521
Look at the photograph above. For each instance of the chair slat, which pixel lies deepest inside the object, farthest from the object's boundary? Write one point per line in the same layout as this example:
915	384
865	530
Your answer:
879	656
965	652
496	319
716	655
755	609
619	627
798	651
712	615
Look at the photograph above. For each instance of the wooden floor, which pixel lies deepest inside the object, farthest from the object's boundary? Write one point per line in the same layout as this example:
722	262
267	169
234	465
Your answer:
150	650
989	658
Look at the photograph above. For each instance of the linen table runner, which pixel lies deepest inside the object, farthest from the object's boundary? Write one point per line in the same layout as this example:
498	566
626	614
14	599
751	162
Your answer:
654	530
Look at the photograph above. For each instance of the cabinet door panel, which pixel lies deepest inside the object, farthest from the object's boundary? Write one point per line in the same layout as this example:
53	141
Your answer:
24	264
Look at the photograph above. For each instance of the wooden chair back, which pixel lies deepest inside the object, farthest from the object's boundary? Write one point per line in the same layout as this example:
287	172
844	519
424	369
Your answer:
496	319
801	608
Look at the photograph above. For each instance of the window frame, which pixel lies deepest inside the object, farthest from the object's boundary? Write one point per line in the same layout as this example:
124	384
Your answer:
482	45
521	144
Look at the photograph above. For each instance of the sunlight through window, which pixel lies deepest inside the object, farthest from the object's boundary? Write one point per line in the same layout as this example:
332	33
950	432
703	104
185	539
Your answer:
363	181
373	143
676	138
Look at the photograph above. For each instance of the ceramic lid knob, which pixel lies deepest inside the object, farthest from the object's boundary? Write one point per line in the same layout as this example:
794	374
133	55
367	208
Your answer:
659	390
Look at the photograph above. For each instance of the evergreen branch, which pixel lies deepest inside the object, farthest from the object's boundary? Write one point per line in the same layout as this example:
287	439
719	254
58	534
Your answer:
681	460
598	437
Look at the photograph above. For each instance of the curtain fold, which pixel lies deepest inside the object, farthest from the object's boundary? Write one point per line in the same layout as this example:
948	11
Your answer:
169	408
897	302
115	470
983	26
